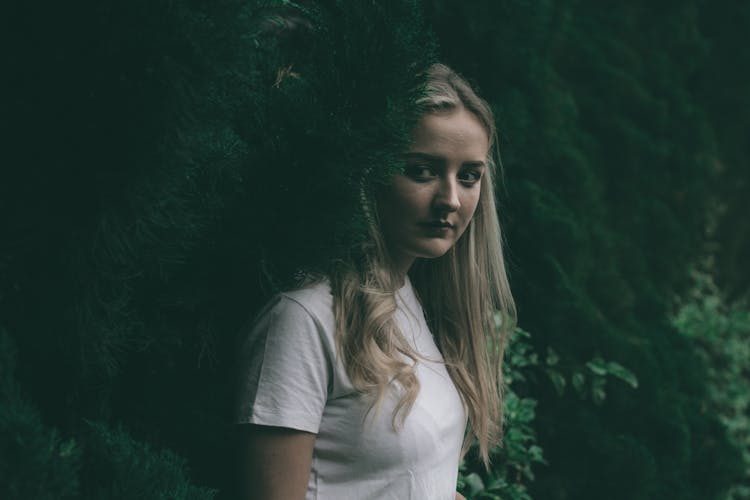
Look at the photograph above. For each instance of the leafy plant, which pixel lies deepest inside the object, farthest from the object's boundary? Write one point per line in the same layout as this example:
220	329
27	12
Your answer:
512	462
720	333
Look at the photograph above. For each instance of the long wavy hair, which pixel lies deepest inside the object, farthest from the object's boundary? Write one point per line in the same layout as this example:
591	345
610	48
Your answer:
461	292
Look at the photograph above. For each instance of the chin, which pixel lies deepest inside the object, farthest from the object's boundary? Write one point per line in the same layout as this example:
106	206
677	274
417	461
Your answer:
434	250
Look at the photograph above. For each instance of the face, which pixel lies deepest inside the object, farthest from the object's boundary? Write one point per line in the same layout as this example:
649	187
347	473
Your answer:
426	209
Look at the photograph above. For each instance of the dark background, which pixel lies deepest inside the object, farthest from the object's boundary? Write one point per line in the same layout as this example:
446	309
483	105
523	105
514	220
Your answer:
169	164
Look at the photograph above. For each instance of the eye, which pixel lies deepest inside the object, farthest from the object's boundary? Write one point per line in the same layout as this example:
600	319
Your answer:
470	177
420	172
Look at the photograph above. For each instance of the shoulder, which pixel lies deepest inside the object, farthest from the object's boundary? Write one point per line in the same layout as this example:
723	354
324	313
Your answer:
302	315
286	361
315	299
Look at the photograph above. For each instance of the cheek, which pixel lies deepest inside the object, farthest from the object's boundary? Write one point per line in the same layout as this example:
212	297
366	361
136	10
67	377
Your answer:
470	204
407	198
395	209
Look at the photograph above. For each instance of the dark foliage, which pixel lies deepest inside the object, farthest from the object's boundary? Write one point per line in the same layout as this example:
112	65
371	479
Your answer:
168	164
610	163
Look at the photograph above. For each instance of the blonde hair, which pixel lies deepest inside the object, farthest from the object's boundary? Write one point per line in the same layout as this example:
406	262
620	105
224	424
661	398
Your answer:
460	292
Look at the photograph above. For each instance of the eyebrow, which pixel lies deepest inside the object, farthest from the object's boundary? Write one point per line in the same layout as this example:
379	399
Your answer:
439	159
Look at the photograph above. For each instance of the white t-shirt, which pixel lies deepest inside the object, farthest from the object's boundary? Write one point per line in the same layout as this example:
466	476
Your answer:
292	377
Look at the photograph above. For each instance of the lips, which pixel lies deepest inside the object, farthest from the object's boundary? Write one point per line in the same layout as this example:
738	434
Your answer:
438	224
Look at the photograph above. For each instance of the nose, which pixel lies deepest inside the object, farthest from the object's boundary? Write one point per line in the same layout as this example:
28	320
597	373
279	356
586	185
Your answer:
446	199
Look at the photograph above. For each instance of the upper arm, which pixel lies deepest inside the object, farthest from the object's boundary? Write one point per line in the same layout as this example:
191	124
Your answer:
285	370
275	462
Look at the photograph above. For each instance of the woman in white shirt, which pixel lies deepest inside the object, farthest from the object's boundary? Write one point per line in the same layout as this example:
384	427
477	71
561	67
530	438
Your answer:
361	385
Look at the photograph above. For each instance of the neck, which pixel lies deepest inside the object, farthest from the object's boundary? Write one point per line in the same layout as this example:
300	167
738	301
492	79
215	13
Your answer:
400	267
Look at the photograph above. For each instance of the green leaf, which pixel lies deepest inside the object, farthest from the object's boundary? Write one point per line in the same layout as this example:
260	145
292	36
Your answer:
474	482
597	366
557	380
579	381
67	448
552	357
597	390
497	484
536	454
619	371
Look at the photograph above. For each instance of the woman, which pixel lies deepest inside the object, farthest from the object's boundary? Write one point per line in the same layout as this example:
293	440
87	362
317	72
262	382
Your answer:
360	386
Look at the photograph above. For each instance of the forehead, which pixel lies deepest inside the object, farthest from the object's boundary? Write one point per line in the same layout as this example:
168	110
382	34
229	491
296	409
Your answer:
451	133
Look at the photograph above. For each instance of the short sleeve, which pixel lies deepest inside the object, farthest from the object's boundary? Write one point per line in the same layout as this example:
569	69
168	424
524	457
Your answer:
285	369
